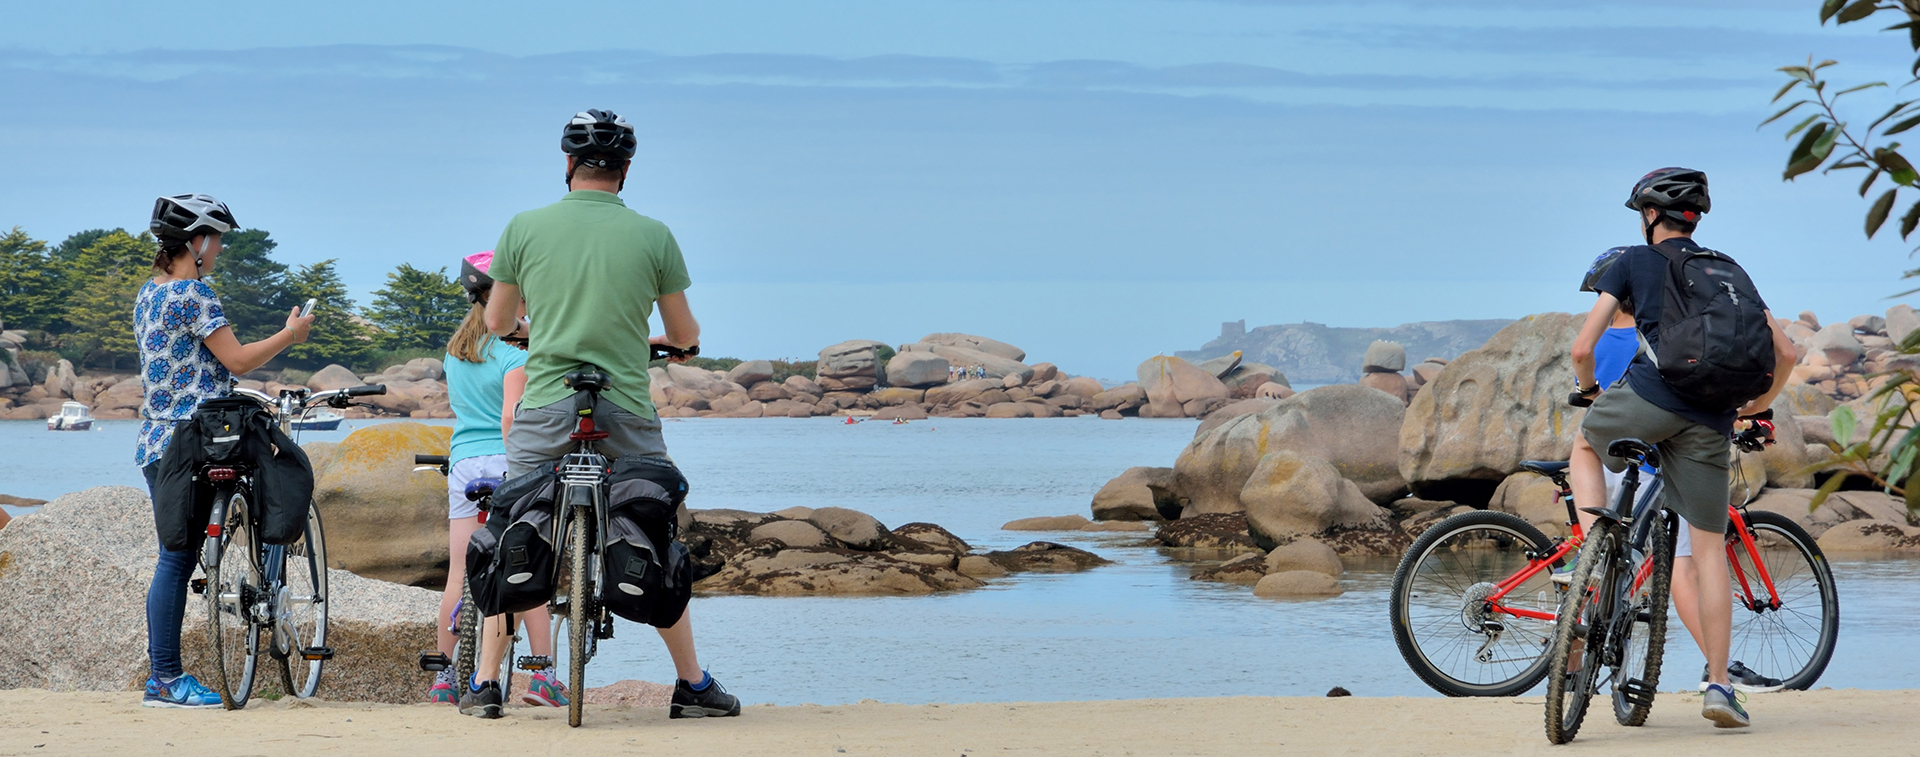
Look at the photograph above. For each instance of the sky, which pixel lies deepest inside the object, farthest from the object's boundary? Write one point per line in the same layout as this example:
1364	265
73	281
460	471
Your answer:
1097	182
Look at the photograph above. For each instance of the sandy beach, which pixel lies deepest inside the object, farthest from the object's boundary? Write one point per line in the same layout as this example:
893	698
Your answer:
1795	723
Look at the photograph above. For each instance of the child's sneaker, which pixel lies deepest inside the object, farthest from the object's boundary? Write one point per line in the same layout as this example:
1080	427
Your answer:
184	692
443	691
544	691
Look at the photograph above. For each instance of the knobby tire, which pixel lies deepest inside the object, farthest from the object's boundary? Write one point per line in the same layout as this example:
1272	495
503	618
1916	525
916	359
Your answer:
1644	663
580	622
1587	600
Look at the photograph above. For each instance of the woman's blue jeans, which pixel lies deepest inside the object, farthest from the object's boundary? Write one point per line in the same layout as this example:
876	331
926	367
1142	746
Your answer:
166	602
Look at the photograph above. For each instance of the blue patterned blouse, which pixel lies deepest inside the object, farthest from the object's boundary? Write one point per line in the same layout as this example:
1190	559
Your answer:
177	370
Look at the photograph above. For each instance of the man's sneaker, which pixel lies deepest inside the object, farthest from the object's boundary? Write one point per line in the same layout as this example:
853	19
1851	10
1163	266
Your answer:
544	691
1723	707
484	703
1744	679
711	702
184	692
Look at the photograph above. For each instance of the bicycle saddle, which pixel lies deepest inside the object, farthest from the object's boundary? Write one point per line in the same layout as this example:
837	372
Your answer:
1545	467
481	488
1634	450
586	381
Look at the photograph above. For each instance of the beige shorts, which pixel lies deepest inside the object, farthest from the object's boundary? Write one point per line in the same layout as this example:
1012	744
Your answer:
539	435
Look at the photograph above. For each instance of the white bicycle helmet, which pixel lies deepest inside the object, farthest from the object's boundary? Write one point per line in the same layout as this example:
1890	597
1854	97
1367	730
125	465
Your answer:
178	218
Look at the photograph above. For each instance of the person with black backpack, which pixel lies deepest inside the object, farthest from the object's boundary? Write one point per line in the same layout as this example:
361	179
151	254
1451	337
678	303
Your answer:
1710	354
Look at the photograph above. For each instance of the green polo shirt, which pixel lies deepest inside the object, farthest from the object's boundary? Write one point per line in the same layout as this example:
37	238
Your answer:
590	270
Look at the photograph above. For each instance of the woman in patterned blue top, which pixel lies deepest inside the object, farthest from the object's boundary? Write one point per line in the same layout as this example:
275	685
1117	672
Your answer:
187	353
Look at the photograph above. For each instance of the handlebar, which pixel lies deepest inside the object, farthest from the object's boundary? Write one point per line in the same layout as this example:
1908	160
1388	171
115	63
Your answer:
368	390
431	462
670	352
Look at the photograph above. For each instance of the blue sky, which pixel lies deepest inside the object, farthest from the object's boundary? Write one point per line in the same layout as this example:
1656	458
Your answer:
1095	181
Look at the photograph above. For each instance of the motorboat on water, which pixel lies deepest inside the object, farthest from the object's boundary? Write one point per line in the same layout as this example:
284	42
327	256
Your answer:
73	417
320	421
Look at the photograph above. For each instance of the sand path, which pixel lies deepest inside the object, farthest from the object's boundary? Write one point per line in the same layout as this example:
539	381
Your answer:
1822	722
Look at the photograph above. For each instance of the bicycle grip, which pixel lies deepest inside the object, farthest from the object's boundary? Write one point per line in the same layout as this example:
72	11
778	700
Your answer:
363	391
1577	399
668	351
429	459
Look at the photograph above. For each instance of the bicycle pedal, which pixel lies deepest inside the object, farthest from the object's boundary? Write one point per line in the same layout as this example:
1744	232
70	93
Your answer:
199	586
535	662
316	653
434	662
1637	692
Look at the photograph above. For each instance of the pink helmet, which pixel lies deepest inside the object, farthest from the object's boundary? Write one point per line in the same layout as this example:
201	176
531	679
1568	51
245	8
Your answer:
473	274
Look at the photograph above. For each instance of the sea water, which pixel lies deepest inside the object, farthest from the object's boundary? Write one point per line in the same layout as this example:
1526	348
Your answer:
1138	628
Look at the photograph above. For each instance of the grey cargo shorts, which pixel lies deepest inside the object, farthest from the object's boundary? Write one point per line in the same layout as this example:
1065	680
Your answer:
539	435
1693	458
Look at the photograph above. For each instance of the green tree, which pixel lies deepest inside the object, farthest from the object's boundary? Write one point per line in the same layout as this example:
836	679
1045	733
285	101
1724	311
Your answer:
108	275
417	309
69	249
252	285
339	335
32	289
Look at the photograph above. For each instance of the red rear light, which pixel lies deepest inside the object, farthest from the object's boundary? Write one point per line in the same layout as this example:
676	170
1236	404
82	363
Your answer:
221	474
214	530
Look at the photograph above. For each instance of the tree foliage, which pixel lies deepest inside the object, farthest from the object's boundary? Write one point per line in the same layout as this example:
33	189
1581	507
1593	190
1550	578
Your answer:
253	286
31	287
338	334
108	275
418	309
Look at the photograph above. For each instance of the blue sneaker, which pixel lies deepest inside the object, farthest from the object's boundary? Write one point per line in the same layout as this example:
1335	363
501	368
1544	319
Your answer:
184	692
1722	706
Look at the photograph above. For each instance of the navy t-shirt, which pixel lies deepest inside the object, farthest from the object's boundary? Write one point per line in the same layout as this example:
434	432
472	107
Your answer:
1639	278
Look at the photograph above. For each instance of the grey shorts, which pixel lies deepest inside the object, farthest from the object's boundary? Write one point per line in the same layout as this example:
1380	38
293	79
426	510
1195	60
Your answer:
1693	458
539	435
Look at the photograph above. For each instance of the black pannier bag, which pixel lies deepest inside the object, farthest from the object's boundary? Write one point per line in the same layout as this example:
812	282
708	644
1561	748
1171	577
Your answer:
1716	345
511	562
231	431
642	580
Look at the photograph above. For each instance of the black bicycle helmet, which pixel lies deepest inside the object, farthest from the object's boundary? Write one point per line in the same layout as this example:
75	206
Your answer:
473	275
598	137
1600	266
179	218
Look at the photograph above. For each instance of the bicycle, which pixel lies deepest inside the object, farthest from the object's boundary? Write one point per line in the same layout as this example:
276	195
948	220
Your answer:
254	590
467	622
1473	607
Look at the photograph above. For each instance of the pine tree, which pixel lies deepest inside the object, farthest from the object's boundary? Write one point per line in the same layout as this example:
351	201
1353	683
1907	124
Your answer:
338	335
253	286
108	274
32	289
417	309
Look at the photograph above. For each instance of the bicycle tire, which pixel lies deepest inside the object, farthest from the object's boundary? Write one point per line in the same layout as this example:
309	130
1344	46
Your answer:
1804	579
580	624
1592	572
1426	569
304	571
232	568
466	652
1643	662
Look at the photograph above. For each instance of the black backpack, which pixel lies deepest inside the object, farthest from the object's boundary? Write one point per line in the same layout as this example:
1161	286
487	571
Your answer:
646	574
1716	346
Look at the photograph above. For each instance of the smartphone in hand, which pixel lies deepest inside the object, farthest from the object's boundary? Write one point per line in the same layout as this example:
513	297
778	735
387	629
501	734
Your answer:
307	309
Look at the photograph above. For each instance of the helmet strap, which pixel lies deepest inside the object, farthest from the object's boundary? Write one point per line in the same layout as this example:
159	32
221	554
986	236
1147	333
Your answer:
1648	231
199	258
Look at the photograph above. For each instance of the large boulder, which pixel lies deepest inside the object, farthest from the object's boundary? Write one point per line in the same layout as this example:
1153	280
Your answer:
1384	357
1124	397
1352	427
1800	399
1045	557
1246	379
852	364
1535	499
1140	493
799	385
83	563
1839	507
1176	379
1297	584
1232	410
1492	408
1838	344
1901	321
1292	494
853	528
1787	459
917	369
995	366
1084	387
1221	366
1304	554
978	344
958	391
1870	536
1392	384
384	521
697	380
332	377
750	372
793	533
1223	532
60	381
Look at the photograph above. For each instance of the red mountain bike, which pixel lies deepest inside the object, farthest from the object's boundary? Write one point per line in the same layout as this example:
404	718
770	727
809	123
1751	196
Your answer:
1474	603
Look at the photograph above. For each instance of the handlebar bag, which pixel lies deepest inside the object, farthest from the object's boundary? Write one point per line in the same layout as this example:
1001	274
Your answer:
640	581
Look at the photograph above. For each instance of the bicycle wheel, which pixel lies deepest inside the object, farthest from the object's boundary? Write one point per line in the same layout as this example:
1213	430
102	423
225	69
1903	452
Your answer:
302	608
232	566
1441	620
580	623
1643	644
466	653
1584	611
1795	641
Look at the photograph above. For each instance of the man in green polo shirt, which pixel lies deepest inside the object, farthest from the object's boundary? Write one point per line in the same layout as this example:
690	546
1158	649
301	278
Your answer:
591	271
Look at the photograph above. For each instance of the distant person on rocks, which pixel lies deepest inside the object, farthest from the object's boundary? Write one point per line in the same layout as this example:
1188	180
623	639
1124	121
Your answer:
591	272
1693	441
188	353
481	373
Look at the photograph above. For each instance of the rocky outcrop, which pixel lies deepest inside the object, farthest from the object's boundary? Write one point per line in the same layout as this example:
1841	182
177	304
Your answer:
917	369
994	366
1870	536
1839	508
1047	523
1354	428
1297	584
1490	409
1536	499
978	344
1140	493
333	377
84	561
1290	495
750	373
1209	531
1045	557
384	521
1316	353
852	364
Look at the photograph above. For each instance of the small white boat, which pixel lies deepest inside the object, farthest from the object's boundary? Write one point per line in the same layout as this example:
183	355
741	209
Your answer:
320	421
73	417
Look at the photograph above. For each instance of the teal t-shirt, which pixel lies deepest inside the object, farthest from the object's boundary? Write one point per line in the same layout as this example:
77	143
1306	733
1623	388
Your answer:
590	270
476	391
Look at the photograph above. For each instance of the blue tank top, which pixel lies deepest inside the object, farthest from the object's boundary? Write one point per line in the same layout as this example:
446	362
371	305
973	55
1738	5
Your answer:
1613	354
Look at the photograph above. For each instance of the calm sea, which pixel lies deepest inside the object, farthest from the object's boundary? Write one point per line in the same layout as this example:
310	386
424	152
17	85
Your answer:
1138	628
